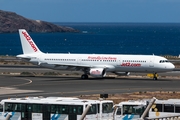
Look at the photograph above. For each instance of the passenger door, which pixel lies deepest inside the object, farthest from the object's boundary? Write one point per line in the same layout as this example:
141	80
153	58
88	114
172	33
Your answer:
151	62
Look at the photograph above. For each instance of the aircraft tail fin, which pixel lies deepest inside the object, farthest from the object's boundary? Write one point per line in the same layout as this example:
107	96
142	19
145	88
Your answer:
28	45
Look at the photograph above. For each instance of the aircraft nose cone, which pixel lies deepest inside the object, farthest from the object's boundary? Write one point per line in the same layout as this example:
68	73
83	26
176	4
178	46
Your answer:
171	66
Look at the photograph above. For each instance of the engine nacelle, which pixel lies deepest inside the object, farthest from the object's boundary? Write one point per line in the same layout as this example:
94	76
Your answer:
97	72
122	73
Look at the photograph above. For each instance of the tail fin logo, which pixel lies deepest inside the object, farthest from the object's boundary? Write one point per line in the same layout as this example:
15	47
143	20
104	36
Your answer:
28	38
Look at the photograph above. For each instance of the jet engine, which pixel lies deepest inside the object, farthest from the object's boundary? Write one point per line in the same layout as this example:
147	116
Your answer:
122	73
97	72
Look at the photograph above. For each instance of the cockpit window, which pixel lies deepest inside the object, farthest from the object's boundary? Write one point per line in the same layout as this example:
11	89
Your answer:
163	61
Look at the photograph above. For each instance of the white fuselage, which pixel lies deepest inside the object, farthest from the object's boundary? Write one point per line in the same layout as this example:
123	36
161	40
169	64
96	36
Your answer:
112	63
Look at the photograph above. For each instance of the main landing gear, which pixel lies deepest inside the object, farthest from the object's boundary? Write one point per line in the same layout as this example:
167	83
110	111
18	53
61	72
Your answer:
84	76
155	76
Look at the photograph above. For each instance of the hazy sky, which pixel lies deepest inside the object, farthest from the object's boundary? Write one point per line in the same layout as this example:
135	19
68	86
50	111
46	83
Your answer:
96	10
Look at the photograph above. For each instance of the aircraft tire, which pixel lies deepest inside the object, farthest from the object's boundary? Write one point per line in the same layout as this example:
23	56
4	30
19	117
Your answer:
84	76
155	76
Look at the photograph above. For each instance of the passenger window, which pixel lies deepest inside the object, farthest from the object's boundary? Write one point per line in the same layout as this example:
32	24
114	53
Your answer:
177	108
158	108
168	108
107	107
118	111
1	108
92	109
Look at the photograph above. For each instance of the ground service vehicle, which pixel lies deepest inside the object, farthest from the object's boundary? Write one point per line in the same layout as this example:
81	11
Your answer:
129	110
55	108
161	109
165	108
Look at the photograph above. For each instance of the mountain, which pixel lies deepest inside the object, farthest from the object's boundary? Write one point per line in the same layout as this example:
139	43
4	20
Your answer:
10	22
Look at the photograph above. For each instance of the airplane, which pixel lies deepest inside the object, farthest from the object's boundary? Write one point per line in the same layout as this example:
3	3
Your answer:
96	65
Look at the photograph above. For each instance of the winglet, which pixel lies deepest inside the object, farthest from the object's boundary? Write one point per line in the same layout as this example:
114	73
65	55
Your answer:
28	45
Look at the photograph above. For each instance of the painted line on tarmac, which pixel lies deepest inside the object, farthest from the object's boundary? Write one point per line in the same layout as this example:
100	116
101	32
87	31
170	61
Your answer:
124	90
29	82
77	93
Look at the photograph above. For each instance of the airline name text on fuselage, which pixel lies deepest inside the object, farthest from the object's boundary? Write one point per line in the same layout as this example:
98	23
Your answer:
101	58
131	64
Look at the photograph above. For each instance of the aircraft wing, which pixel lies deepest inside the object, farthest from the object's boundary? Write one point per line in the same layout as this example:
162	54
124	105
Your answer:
74	65
83	66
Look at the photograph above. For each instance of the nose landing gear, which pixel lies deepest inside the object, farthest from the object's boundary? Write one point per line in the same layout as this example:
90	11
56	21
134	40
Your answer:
155	75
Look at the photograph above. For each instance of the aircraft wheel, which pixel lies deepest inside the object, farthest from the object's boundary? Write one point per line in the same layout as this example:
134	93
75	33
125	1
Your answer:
84	76
155	76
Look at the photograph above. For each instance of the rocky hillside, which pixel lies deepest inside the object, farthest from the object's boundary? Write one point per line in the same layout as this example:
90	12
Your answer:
10	22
